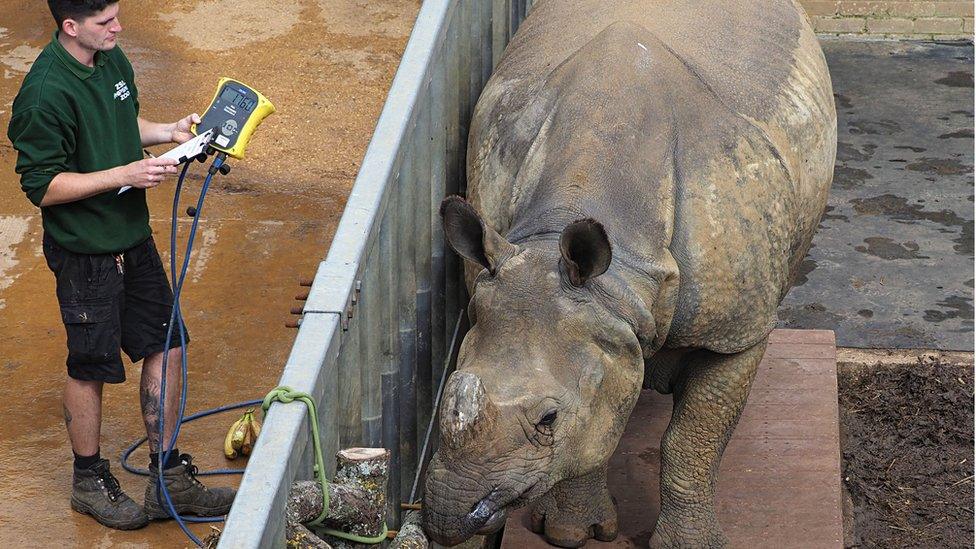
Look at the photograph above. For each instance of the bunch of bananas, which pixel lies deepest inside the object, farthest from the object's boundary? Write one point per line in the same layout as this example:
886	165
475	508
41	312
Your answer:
242	435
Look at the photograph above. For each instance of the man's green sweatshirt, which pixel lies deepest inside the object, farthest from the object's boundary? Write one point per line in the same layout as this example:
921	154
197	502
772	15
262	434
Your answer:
69	117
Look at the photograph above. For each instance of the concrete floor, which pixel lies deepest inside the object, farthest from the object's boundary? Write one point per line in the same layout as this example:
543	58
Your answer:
327	65
892	263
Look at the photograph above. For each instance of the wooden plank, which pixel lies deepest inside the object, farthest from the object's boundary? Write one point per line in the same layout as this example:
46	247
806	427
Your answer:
802	336
779	484
801	350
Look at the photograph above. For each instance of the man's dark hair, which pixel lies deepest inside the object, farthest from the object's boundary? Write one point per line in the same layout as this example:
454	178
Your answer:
79	10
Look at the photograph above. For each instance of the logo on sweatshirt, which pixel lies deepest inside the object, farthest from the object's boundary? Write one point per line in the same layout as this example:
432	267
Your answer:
121	90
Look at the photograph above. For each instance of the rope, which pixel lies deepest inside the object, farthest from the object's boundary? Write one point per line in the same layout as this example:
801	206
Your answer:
285	395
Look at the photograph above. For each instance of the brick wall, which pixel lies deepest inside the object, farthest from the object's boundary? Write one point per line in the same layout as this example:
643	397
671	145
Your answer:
927	19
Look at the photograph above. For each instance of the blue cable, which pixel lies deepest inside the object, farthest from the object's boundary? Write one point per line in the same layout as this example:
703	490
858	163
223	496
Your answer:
176	316
135	445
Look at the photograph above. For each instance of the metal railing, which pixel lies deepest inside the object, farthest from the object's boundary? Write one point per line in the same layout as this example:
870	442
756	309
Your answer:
377	325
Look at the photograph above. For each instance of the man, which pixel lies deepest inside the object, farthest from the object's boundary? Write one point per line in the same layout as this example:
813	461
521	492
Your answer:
75	124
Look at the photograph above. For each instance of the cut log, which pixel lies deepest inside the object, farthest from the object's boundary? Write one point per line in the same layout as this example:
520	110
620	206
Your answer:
300	537
357	500
411	535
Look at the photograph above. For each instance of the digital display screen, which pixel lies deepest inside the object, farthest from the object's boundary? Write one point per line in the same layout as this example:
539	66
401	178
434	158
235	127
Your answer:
237	99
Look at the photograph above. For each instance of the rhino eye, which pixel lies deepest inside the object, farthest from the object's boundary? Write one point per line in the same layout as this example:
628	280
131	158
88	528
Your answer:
548	419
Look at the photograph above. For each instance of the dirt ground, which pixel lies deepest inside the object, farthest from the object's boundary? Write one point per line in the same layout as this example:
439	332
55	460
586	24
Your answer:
907	443
326	65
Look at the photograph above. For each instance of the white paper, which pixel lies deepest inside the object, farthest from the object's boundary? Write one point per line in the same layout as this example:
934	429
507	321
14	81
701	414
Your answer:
185	151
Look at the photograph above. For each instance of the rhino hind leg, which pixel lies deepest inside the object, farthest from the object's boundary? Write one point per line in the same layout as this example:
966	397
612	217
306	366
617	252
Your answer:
576	510
709	395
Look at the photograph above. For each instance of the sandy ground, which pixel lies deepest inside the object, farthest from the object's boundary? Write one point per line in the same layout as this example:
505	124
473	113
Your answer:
327	65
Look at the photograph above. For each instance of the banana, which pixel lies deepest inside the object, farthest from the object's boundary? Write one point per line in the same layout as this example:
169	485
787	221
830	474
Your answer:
242	435
254	429
248	442
237	438
229	451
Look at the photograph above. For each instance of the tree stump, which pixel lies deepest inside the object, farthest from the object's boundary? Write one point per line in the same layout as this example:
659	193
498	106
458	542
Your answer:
411	535
357	500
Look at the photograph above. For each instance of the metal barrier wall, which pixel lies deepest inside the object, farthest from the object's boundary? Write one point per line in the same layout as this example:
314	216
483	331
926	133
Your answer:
377	326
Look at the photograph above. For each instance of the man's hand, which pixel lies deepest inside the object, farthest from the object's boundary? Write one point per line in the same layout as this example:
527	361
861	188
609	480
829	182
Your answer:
181	130
147	173
142	174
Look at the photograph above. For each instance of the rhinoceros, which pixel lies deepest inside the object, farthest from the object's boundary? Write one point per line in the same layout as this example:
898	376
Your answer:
644	180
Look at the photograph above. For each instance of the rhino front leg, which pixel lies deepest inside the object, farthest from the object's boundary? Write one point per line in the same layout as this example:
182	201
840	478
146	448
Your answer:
709	395
576	510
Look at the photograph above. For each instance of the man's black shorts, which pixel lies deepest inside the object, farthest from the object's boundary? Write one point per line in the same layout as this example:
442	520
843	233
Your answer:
104	309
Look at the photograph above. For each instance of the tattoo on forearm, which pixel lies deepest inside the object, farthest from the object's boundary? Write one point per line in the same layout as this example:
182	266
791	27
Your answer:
67	416
149	400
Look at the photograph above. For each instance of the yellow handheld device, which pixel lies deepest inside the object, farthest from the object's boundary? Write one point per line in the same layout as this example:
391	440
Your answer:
235	112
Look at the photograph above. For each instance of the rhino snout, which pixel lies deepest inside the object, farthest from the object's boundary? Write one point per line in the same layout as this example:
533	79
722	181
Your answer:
485	517
467	410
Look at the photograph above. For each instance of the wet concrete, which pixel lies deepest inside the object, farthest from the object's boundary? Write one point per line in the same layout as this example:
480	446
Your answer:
892	264
327	65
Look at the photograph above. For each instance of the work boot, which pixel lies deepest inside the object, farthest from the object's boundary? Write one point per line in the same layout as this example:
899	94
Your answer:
189	495
96	492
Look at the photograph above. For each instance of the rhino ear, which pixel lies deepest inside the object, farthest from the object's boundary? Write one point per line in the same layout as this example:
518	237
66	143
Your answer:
471	238
585	249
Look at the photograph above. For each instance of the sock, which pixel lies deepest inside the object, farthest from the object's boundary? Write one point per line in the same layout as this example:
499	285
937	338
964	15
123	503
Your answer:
84	462
173	461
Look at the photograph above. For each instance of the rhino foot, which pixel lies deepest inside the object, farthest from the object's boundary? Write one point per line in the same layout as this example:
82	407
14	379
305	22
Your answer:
576	510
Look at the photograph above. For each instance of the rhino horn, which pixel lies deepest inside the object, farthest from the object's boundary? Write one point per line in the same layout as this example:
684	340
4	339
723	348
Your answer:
467	410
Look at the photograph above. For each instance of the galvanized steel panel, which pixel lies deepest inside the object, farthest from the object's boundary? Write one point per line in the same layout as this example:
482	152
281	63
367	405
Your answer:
387	282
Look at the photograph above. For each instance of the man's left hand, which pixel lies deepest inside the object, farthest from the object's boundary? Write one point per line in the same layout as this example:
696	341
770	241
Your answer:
181	131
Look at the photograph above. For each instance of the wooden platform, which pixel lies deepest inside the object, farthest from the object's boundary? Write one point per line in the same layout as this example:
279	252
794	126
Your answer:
780	482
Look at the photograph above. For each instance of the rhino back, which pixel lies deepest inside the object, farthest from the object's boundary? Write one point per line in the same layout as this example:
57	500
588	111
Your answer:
701	134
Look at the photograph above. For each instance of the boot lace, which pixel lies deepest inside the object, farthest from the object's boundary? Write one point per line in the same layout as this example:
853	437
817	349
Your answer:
191	470
111	484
